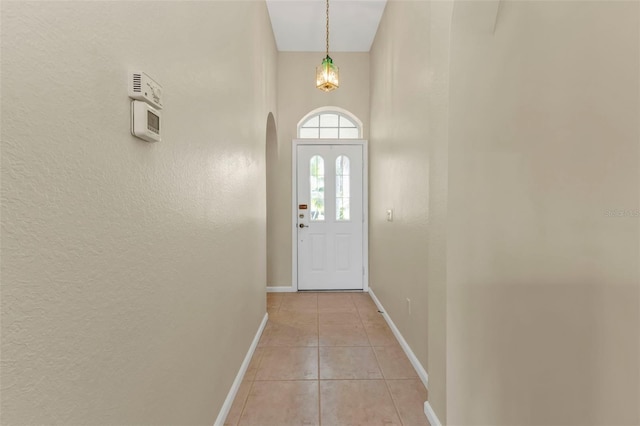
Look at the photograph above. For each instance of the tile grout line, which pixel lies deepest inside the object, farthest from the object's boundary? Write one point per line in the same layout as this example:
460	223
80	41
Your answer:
319	387
361	312
386	383
253	381
244	404
333	380
363	326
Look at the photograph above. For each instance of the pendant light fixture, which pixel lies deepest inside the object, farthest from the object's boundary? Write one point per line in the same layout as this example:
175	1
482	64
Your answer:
327	74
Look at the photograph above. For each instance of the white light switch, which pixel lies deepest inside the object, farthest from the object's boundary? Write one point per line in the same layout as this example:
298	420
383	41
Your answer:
390	215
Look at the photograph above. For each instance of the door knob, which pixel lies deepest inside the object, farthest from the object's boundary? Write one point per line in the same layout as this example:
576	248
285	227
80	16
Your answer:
302	225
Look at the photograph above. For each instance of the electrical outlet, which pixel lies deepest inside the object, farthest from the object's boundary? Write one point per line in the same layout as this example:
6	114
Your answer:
409	306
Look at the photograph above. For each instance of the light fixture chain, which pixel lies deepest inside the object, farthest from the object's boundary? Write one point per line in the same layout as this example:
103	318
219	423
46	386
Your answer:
327	27
327	73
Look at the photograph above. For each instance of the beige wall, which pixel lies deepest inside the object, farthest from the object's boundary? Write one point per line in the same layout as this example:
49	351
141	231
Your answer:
408	173
126	296
271	163
438	63
297	96
505	152
543	286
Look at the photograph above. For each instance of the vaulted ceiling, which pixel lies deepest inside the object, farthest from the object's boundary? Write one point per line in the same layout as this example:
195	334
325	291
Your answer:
299	25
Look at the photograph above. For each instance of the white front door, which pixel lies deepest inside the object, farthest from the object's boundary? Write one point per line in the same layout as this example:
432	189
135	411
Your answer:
330	217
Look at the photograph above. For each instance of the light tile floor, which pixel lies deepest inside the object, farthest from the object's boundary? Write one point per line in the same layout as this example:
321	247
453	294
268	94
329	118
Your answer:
328	359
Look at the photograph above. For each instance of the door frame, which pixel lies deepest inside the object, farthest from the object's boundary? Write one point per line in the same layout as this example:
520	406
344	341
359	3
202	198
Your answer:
365	203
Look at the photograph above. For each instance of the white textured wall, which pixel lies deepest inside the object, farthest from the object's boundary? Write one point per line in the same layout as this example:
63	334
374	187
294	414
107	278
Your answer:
297	96
544	286
133	273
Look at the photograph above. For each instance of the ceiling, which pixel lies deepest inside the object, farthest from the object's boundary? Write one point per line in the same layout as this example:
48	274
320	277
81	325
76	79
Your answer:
299	25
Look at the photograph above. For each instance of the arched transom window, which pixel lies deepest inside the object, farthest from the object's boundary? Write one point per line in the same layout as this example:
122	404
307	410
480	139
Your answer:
330	123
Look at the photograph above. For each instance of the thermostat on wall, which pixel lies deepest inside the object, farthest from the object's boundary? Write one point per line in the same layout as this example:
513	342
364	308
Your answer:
145	121
144	88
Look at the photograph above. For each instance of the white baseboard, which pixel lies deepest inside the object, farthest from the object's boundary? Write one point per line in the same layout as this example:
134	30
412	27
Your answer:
422	373
224	411
281	290
431	415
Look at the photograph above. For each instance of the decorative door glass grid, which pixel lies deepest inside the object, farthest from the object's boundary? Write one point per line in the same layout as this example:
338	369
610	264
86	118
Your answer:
330	125
317	188
343	212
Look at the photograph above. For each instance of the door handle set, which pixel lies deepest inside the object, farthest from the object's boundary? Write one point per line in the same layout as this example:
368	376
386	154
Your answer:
302	225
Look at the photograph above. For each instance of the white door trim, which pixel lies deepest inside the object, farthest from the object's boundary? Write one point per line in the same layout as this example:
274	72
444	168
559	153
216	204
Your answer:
294	207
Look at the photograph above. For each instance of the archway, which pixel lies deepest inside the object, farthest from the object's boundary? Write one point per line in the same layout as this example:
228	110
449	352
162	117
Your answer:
271	160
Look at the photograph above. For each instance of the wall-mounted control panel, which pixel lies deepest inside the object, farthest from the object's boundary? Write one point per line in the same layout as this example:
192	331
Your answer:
145	121
144	88
145	107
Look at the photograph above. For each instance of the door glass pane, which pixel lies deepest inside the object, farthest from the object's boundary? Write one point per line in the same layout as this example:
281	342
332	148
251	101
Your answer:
343	212
312	122
329	125
345	122
329	120
309	133
342	209
316	182
329	133
349	133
